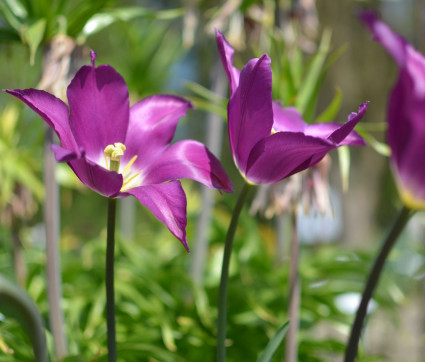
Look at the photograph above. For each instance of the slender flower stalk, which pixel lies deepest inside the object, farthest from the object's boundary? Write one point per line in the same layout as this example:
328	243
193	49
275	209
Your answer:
109	281
294	293
224	282
372	281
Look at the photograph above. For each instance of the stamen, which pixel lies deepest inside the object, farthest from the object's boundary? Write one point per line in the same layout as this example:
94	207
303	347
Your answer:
129	180
129	164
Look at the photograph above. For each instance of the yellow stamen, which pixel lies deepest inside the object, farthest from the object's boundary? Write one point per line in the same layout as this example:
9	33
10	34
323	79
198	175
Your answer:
129	164
129	180
113	153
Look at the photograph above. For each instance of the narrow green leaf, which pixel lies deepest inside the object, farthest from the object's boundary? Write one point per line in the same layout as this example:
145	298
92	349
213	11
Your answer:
307	90
33	35
102	20
380	147
13	13
15	303
331	111
204	92
344	166
274	344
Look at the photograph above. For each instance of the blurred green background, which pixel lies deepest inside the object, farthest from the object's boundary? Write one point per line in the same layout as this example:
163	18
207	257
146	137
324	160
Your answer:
162	313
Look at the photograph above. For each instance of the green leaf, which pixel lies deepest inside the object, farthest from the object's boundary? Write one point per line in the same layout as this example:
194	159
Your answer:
308	89
15	303
102	20
13	13
331	111
203	92
274	344
33	35
381	147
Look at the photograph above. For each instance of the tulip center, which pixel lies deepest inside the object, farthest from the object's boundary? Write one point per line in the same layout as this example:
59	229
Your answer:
113	154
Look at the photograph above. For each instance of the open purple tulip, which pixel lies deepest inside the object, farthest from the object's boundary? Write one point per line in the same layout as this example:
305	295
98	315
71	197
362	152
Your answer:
269	142
119	151
406	112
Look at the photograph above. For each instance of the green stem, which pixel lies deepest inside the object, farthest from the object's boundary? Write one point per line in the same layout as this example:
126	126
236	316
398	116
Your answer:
109	281
388	243
224	282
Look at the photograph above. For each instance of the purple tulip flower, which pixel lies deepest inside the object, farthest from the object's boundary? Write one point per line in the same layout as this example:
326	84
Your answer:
269	142
117	150
406	112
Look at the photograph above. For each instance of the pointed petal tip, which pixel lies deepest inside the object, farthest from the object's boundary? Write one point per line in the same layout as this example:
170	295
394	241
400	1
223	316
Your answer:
368	16
186	246
93	56
363	108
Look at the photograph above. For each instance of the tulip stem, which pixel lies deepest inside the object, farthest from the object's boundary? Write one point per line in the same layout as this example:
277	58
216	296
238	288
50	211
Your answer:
109	281
224	282
372	281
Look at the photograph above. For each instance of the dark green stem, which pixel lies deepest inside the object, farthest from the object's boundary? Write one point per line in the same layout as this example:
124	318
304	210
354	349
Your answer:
388	243
110	298
224	282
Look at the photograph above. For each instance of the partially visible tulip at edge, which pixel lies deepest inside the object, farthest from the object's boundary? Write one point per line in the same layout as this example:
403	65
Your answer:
405	112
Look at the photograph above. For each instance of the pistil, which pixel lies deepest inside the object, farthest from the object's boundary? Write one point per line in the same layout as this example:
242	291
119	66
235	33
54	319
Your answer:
114	153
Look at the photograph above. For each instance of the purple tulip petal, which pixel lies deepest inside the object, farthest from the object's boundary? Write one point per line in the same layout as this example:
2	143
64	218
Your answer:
99	179
409	60
250	109
188	159
99	108
324	130
287	119
342	132
226	54
168	203
52	110
394	43
63	154
153	122
411	175
282	154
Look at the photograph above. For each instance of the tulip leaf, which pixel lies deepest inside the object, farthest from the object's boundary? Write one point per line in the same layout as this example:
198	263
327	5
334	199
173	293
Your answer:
204	92
344	166
15	303
380	147
274	343
99	21
309	87
13	12
331	111
33	35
